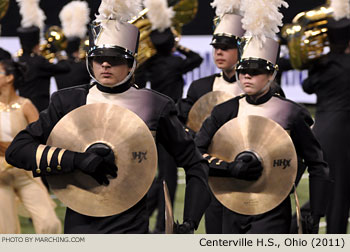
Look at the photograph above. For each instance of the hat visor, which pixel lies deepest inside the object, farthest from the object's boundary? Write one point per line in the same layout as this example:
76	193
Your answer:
220	40
110	51
255	64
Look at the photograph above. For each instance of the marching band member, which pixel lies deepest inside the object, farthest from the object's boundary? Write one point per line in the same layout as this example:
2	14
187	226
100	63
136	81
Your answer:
225	53
329	80
256	71
165	70
111	63
74	18
36	86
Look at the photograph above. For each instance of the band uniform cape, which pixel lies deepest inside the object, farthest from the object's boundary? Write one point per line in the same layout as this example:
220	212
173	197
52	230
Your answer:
293	118
329	79
159	114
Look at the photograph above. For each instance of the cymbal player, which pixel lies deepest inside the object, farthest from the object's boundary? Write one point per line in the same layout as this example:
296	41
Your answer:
256	71
111	63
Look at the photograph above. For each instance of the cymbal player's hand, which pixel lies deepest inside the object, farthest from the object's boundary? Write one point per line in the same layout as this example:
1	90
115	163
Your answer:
186	228
98	161
246	166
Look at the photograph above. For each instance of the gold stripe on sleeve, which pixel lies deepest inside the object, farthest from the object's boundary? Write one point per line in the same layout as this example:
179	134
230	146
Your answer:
49	157
38	156
59	159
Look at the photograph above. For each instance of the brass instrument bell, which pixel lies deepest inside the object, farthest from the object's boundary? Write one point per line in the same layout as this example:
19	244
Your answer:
185	11
4	5
56	41
307	36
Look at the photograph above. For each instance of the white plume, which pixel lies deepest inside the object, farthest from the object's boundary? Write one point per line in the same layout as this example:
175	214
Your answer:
159	14
31	13
120	10
226	6
262	18
341	9
74	17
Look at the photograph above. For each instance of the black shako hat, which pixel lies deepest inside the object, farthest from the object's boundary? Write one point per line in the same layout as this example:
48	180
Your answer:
338	31
29	37
163	41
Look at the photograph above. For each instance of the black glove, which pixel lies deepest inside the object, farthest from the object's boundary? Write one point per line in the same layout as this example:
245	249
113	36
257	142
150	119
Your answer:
98	162
310	224
246	166
186	228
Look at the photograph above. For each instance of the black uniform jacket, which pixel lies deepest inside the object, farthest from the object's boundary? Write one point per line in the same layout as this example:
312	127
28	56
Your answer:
329	79
159	114
165	72
293	118
78	75
37	82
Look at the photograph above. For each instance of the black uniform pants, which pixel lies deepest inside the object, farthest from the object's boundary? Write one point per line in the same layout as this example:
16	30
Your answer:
213	217
332	131
276	221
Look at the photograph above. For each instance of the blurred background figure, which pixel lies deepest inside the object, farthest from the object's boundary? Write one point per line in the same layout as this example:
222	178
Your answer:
283	61
4	54
15	113
74	19
329	79
36	86
225	54
165	69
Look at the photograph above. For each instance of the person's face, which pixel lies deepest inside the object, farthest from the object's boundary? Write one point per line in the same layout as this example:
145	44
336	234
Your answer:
225	58
109	70
253	81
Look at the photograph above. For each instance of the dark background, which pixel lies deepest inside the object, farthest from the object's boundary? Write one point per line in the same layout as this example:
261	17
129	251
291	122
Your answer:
201	25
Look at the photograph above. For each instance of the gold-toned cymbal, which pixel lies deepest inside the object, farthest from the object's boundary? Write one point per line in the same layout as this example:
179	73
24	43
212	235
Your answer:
135	153
272	144
169	217
202	108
